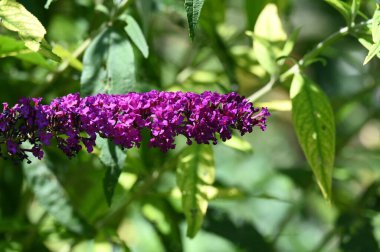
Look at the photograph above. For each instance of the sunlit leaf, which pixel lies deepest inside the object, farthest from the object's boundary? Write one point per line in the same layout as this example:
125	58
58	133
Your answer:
15	17
136	35
68	56
314	124
268	24
10	47
238	143
195	172
276	105
108	64
51	195
113	157
193	9
268	30
374	49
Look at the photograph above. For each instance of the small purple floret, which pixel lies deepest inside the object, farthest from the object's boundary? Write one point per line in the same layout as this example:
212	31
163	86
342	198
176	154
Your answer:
74	123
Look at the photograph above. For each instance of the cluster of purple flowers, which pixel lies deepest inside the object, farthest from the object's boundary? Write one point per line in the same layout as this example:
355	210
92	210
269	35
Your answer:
73	122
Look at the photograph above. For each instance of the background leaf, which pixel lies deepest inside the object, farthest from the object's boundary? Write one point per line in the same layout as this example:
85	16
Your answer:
108	64
343	8
315	127
52	197
193	9
136	35
16	18
113	157
195	172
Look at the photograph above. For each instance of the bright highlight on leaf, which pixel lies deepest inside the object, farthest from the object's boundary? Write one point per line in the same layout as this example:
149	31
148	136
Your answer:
195	175
315	127
193	9
15	17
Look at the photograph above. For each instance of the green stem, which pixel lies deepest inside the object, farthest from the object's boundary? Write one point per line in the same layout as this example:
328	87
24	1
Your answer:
317	50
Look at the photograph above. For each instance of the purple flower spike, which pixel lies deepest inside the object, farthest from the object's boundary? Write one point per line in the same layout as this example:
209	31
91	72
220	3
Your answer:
73	123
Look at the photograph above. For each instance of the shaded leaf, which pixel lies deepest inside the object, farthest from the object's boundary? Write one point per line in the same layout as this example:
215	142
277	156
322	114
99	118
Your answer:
51	195
193	10
314	124
108	64
15	17
343	8
245	235
195	173
113	157
136	35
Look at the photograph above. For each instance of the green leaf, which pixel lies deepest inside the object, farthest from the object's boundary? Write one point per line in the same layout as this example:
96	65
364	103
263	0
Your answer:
15	17
372	52
52	196
136	35
253	9
374	48
268	25
355	7
68	57
195	174
113	157
266	55
238	143
10	47
375	29
267	32
193	10
314	124
108	64
343	8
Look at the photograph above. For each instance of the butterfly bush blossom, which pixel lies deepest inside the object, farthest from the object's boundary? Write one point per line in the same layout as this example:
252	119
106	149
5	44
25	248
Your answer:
73	122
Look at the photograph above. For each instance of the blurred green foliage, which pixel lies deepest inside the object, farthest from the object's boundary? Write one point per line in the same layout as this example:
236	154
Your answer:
265	196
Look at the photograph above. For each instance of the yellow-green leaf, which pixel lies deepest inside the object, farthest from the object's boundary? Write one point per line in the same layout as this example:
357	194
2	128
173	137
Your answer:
314	124
16	18
195	174
268	25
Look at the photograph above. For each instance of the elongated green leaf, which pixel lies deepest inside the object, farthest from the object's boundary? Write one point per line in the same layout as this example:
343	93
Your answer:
374	49
113	157
10	47
355	7
15	17
68	56
134	31
193	10
51	195
314	124
343	8
195	174
108	64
